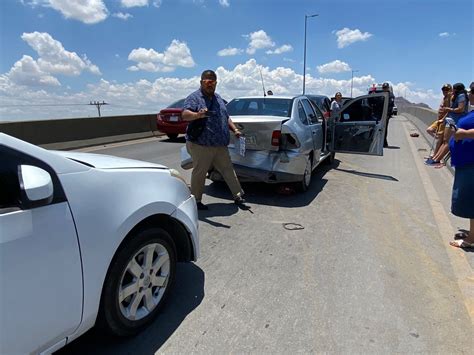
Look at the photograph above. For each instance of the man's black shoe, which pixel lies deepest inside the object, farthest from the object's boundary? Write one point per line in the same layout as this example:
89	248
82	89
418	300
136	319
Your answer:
239	200
201	206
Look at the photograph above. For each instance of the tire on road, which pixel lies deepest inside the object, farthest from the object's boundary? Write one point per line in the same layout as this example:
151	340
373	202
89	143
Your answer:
305	182
143	270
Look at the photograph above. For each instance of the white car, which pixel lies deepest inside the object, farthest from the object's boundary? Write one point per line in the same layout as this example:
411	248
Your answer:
86	239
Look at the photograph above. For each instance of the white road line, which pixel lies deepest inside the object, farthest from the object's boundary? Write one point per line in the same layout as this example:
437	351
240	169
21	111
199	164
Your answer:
457	257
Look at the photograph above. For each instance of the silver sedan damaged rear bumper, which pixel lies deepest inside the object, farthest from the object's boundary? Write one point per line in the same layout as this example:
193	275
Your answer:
267	166
260	165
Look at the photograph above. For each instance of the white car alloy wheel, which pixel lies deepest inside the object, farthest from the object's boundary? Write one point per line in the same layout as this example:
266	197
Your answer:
138	282
144	281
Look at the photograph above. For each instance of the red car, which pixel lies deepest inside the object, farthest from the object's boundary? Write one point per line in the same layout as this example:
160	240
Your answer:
169	120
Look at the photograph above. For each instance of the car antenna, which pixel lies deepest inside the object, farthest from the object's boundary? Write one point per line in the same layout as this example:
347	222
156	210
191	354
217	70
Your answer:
263	85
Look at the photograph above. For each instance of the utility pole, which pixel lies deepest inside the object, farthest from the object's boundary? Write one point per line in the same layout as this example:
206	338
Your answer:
304	55
352	79
98	104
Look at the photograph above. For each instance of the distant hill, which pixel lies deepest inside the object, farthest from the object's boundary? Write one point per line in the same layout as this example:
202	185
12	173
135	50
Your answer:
401	103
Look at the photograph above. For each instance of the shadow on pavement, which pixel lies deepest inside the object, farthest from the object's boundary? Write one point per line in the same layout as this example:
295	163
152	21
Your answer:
370	175
267	194
186	295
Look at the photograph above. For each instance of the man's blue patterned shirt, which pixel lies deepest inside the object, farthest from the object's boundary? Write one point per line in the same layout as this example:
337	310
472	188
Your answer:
216	130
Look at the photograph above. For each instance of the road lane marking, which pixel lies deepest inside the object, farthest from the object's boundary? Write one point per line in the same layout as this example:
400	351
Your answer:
457	257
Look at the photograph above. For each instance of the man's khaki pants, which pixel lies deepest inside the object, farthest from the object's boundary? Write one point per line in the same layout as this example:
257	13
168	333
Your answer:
204	157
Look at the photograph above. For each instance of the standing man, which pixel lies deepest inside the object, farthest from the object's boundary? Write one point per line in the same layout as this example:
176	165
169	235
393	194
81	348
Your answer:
391	103
207	137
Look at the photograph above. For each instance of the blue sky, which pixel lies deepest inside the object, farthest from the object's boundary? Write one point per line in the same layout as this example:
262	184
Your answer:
140	55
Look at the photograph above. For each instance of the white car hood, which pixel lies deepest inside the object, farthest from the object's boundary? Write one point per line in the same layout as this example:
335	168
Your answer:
107	161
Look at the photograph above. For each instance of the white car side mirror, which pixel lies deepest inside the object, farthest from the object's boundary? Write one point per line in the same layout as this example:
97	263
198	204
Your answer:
36	184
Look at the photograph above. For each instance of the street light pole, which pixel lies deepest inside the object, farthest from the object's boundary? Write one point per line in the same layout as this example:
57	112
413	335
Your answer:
352	79
304	57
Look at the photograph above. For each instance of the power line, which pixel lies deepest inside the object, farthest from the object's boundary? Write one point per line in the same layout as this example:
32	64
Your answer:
29	105
98	105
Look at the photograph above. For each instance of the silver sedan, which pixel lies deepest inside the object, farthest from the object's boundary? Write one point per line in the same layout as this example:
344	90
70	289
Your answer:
286	138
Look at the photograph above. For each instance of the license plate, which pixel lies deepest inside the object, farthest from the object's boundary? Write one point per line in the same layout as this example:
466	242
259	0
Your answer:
242	146
174	118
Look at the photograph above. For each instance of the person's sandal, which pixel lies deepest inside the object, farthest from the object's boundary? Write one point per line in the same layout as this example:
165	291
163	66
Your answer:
461	235
461	243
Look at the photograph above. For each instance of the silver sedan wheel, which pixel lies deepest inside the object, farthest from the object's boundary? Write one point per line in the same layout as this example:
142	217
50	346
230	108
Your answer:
307	173
304	184
144	281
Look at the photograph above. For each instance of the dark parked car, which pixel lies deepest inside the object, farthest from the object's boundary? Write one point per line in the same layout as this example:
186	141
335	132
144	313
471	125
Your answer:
322	102
170	122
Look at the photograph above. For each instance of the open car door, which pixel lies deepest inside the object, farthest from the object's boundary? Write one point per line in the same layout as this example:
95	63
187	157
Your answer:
360	126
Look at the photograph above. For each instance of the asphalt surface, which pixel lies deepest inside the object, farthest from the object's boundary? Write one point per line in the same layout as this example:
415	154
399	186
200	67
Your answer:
360	263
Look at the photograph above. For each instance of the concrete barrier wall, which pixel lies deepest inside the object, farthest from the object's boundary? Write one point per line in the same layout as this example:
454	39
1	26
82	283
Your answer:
80	129
81	132
428	116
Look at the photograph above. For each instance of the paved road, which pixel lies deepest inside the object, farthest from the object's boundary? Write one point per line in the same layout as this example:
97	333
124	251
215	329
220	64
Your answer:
371	270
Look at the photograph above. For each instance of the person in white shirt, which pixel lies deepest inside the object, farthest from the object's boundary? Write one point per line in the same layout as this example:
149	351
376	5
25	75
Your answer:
336	105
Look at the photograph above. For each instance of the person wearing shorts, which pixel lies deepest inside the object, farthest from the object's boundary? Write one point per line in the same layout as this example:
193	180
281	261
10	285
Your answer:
455	111
436	129
461	146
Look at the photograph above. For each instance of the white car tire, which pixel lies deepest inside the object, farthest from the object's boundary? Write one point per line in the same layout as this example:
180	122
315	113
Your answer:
138	282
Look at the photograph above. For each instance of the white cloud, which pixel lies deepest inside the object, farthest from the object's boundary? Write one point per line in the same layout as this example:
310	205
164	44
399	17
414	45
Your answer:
27	72
139	3
446	34
283	49
54	59
259	40
143	96
134	3
176	55
335	66
229	52
288	60
347	36
224	3
87	11
122	16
